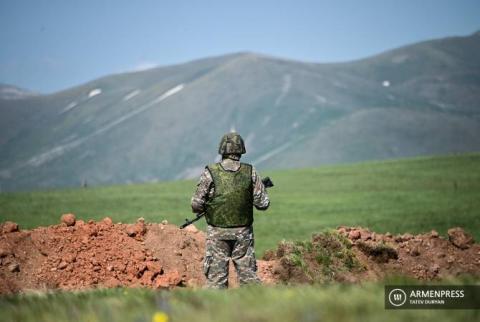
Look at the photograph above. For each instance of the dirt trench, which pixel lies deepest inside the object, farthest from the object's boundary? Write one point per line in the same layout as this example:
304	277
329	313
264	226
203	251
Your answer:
78	255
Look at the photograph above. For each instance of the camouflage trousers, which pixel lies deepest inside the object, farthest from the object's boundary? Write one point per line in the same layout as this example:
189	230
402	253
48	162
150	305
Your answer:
224	244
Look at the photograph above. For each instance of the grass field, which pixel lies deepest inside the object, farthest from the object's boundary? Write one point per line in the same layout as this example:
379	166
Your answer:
336	302
413	195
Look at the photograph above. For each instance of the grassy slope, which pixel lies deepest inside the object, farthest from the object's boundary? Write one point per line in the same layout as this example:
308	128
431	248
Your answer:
411	195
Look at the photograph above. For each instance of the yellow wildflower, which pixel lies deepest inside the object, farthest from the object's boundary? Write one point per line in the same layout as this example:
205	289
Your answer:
160	317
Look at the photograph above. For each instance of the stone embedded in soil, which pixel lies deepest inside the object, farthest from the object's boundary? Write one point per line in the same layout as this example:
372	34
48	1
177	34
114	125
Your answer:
460	238
407	237
68	219
107	221
154	267
4	252
137	229
168	280
112	282
415	251
365	235
192	228
62	265
14	267
354	235
343	230
434	233
9	227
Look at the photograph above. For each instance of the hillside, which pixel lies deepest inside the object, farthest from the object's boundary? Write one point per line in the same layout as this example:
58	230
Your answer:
165	123
413	195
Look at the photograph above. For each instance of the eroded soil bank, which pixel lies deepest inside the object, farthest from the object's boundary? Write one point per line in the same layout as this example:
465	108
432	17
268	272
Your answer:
77	255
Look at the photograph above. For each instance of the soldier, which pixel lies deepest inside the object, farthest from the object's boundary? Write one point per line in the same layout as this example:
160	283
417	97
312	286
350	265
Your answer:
227	192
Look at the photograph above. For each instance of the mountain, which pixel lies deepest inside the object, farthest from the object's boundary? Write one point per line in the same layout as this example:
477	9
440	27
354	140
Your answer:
165	123
9	92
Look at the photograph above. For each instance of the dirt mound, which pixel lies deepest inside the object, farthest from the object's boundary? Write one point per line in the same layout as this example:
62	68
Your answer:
85	255
76	255
353	254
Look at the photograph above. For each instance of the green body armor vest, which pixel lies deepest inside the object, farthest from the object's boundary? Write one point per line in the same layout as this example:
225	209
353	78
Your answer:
232	202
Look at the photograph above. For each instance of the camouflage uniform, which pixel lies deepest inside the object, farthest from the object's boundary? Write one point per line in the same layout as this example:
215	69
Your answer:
224	244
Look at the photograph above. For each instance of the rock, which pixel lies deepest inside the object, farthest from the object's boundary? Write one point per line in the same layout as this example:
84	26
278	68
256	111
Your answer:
137	229
147	278
168	280
435	268
434	234
112	282
192	283
354	235
460	238
14	267
4	252
68	219
70	258
342	230
107	221
62	265
154	267
365	235
415	251
192	228
164	222
403	238
131	231
9	227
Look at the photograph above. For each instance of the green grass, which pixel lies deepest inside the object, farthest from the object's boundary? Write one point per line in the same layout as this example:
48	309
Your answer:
413	195
333	302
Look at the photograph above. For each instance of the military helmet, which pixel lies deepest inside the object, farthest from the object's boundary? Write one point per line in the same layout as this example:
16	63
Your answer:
231	143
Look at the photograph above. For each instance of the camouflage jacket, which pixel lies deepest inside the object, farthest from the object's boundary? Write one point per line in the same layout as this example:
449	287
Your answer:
206	188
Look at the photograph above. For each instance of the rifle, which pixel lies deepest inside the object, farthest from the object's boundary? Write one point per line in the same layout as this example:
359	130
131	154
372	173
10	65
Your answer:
266	182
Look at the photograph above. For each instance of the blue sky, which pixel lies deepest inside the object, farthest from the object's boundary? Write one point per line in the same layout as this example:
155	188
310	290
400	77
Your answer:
49	45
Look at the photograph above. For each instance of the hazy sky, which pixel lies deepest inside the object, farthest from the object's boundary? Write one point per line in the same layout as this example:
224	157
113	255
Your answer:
51	45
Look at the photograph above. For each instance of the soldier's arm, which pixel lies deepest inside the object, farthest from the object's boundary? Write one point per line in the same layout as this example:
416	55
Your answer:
260	195
200	196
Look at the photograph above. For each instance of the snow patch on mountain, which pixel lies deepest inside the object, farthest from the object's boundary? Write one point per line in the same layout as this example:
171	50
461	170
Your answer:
94	92
287	84
131	95
69	107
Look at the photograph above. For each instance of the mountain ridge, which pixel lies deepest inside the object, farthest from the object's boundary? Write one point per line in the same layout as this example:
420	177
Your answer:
164	123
